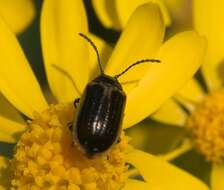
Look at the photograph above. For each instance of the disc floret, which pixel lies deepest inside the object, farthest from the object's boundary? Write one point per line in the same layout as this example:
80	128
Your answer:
46	158
207	126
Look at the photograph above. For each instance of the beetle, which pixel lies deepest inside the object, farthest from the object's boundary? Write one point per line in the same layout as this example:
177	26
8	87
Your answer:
98	120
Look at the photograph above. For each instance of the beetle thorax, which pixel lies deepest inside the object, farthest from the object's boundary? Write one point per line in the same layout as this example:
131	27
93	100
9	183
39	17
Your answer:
108	81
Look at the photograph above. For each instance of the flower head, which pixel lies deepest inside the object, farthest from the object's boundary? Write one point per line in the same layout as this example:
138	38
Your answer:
206	125
205	105
44	156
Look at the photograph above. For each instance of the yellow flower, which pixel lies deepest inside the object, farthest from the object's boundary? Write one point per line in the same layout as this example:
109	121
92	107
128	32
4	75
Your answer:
206	106
44	157
17	14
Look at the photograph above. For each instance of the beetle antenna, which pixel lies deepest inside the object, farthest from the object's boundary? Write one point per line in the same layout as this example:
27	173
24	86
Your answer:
136	63
95	49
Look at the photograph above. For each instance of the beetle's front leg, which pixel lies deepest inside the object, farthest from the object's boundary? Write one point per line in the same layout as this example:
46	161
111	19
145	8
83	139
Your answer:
77	100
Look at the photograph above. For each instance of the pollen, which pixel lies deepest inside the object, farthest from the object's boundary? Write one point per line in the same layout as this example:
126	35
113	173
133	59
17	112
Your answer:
207	126
46	157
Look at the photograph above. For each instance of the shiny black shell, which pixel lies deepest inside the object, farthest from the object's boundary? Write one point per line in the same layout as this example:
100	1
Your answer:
97	124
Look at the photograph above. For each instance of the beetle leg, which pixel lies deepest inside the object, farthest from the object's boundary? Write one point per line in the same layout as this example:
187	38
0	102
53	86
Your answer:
76	102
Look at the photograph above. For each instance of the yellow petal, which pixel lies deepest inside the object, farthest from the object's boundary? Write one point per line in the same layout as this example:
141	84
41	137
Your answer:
164	79
11	123
4	173
217	182
192	92
115	14
160	173
106	15
170	112
190	95
5	137
17	81
141	39
104	51
17	14
132	184
208	20
65	52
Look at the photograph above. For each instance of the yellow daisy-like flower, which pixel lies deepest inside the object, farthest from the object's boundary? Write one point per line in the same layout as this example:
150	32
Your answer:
206	107
17	14
44	156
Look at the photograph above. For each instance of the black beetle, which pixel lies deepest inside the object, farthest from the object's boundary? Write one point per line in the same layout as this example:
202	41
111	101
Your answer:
98	120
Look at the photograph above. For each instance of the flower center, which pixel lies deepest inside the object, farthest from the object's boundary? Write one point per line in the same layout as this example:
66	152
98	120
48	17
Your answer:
45	157
207	126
